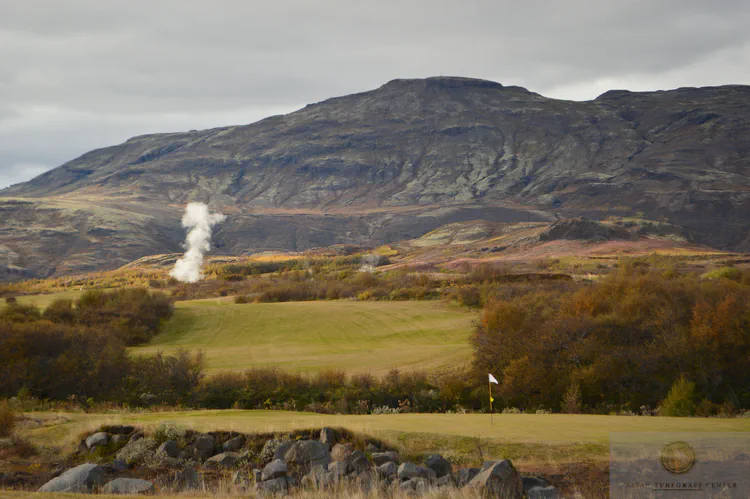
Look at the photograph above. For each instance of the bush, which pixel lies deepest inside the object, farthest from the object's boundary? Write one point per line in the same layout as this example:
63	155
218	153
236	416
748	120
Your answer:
10	300
169	431
240	299
7	419
681	399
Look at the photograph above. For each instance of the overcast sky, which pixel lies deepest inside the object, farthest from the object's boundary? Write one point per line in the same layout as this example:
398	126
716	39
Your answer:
76	75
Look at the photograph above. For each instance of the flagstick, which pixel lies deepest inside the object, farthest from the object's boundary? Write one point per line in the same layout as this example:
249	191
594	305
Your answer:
489	385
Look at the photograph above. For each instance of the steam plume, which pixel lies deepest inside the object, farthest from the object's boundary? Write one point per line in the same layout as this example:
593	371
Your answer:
199	222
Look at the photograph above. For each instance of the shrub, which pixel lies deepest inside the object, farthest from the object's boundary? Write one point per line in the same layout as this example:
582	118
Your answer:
681	399
239	299
10	300
7	419
169	430
572	400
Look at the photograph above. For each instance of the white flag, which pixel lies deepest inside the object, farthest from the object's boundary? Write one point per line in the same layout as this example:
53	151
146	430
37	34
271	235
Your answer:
493	380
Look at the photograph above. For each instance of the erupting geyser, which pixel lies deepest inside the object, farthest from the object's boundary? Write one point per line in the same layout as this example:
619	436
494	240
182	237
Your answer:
199	223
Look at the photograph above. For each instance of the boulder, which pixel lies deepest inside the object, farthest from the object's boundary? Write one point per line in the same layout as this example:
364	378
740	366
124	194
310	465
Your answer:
407	471
548	492
138	452
186	479
372	448
204	446
129	486
137	436
308	453
529	482
275	486
118	465
439	465
364	481
274	449
341	451
500	479
81	479
274	469
328	436
119	439
98	439
446	481
384	457
417	486
314	479
465	475
339	469
223	460
234	444
388	469
357	462
169	448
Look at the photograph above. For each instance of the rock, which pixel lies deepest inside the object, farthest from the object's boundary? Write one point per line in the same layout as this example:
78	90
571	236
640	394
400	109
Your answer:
339	469
529	482
328	436
446	481
308	453
99	439
357	462
500	479
130	486
408	471
275	486
548	492
383	457
81	479
138	452
120	440
341	451
169	448
371	448
314	479
274	449
137	436
119	465
120	429
234	444
241	478
388	469
186	479
274	469
364	481
204	446
82	447
439	465
465	475
257	476
223	460
418	486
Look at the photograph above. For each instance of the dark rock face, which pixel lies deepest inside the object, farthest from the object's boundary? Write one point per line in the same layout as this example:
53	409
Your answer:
438	464
415	153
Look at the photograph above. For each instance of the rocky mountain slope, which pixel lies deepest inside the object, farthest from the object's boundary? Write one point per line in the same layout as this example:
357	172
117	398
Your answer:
393	164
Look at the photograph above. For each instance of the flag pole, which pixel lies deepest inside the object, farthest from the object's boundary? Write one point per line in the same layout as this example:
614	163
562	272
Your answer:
489	385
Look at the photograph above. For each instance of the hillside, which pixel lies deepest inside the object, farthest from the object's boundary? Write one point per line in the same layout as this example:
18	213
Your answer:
392	164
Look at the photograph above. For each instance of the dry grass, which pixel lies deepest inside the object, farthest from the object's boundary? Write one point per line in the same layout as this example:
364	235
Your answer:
7	419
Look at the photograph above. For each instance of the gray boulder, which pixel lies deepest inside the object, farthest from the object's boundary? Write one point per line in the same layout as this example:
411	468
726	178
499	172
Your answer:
501	479
384	457
169	448
137	436
388	469
186	479
274	469
120	439
118	465
274	449
138	452
372	448
315	479
204	446
328	436
339	469
341	451
98	439
465	475
548	492
81	479
308	453
446	481
438	464
357	462
223	460
416	486
275	486
529	482
234	444
129	486
407	471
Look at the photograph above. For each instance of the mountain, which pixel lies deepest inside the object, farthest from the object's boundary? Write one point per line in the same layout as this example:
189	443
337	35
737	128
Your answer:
392	164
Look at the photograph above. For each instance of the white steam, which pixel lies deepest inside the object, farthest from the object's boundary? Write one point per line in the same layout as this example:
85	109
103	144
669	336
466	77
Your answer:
199	222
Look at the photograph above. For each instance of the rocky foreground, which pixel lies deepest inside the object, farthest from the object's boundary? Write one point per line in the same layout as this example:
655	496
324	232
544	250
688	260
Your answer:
125	460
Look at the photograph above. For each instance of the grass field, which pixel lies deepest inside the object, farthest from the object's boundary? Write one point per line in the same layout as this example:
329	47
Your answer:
353	336
544	439
42	301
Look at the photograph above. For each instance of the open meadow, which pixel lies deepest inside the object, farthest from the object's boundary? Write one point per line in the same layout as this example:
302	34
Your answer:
353	336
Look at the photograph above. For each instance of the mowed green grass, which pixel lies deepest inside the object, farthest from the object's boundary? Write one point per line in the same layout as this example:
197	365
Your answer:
307	337
44	300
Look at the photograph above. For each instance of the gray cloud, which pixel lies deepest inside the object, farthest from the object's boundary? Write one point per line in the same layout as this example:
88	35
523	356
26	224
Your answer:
82	74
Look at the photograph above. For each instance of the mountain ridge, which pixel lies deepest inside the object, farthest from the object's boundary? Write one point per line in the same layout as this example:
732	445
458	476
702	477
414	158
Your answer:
397	161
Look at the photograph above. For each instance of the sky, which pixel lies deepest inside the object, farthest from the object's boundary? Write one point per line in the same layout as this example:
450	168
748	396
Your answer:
77	75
